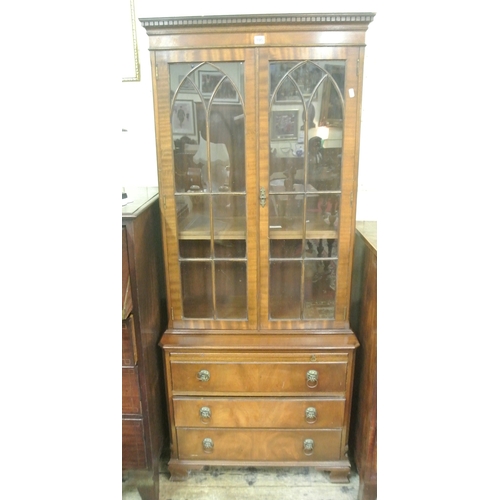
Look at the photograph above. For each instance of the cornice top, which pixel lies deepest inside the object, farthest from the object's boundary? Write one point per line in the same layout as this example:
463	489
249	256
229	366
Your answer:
340	18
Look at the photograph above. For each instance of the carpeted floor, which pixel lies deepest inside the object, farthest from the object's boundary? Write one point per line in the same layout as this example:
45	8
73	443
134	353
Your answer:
249	483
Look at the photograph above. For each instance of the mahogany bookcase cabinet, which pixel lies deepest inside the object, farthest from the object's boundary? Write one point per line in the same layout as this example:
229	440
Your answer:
257	129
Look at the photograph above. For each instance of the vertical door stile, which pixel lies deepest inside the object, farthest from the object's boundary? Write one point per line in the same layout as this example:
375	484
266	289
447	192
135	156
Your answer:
349	179
252	169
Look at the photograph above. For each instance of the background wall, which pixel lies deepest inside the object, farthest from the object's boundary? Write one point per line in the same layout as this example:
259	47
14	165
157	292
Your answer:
429	159
138	143
428	173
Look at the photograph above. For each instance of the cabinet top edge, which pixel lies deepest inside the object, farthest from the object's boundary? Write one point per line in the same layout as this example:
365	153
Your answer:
257	19
267	342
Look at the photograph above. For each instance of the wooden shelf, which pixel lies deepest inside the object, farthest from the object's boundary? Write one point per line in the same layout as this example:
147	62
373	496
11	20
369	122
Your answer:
281	228
197	227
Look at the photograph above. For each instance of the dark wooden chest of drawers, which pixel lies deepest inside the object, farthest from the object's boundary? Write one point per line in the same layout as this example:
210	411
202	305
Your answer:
143	321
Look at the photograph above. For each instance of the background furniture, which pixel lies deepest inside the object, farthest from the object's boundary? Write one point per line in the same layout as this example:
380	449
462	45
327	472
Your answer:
259	353
364	324
143	322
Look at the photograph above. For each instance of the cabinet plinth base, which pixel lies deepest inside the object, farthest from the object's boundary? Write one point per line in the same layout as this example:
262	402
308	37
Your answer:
180	472
339	472
339	475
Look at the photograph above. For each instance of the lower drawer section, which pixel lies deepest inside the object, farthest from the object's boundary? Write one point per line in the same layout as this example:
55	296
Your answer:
133	445
289	413
257	445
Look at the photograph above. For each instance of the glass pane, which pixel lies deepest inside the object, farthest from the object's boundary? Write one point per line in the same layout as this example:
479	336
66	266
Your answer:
230	289
286	249
284	289
319	289
285	215
230	249
193	216
306	135
208	127
321	248
207	101
197	289
194	249
322	216
229	216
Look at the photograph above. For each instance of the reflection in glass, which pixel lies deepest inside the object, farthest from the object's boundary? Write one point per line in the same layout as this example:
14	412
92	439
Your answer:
193	215
286	212
286	249
284	289
230	286
320	283
230	249
306	133
194	249
229	206
196	282
208	128
321	248
322	216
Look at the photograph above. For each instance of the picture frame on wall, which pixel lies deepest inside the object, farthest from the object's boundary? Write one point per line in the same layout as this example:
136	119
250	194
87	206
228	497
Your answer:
184	119
130	54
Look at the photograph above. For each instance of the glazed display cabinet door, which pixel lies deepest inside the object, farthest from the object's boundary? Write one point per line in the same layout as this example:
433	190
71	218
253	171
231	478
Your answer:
306	184
258	184
207	155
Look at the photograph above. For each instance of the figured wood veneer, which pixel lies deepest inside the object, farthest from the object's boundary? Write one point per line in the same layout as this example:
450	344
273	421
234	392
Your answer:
279	413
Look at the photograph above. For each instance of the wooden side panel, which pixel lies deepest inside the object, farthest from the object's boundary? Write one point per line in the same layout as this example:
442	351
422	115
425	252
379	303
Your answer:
364	415
133	447
126	288
129	347
131	396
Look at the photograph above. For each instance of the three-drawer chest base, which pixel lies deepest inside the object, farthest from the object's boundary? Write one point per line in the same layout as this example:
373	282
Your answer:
250	400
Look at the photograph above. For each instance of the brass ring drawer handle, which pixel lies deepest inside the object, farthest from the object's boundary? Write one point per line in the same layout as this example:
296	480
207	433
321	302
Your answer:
208	445
308	446
204	375
312	379
311	415
205	414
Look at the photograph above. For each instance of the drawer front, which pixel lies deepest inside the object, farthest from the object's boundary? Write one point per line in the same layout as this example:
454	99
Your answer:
259	445
276	374
290	413
131	399
133	445
129	349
